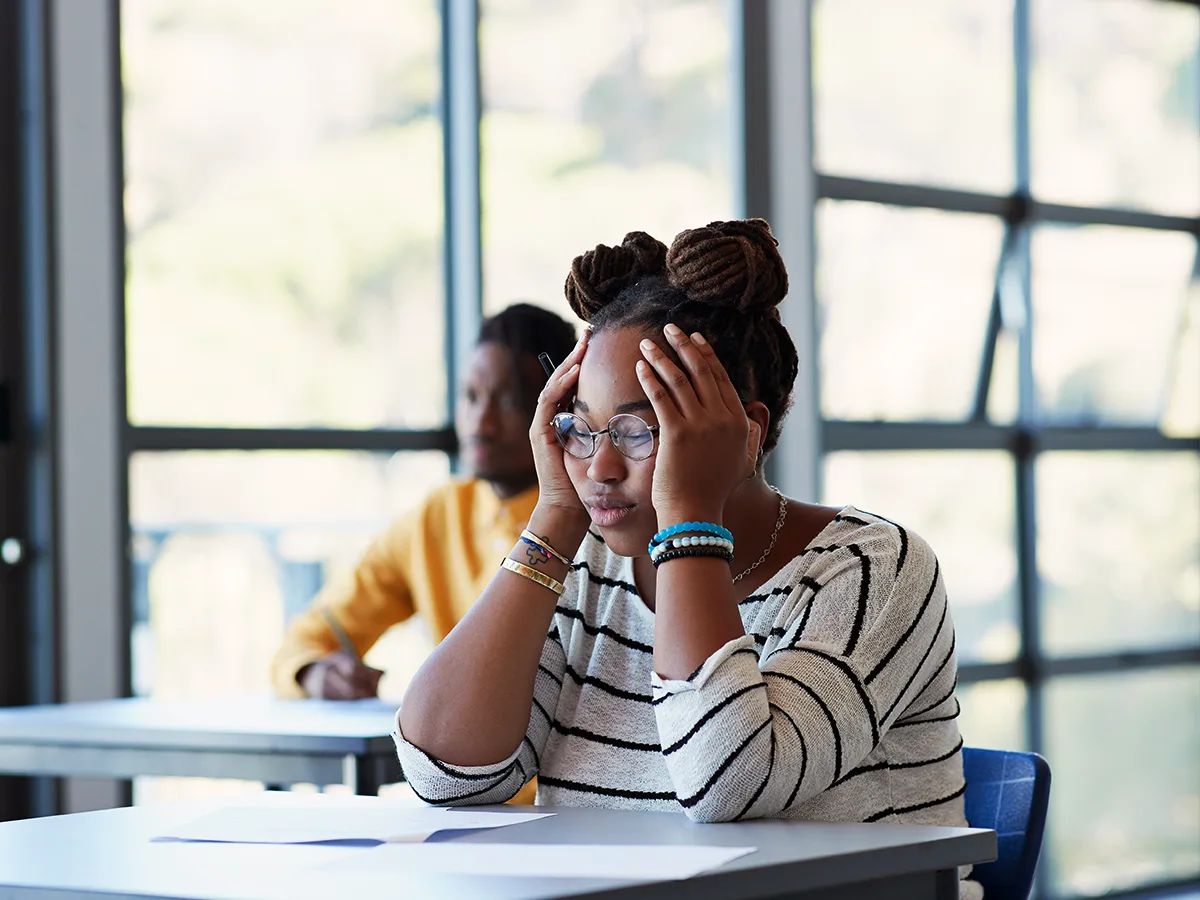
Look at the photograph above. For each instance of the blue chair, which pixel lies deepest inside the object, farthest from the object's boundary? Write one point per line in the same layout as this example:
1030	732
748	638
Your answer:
1008	792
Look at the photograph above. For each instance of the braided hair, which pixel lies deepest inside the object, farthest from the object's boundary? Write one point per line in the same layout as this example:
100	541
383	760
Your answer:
525	330
724	280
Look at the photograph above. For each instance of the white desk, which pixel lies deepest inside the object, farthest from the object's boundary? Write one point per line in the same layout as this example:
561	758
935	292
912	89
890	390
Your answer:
260	739
108	855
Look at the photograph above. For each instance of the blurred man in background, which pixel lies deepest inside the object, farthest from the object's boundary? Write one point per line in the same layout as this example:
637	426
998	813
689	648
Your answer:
435	560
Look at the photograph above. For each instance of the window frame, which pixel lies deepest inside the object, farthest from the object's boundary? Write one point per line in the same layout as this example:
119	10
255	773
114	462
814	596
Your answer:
1026	438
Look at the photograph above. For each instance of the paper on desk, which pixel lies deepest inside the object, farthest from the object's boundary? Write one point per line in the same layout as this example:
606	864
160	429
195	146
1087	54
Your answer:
311	824
611	861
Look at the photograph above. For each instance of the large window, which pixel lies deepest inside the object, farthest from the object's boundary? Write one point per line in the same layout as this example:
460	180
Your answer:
1009	321
321	198
291	263
284	222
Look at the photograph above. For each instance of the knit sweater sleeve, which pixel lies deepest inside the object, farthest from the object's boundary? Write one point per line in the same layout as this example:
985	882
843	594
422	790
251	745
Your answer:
754	732
438	782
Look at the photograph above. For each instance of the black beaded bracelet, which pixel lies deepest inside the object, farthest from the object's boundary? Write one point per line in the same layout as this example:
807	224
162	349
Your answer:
714	552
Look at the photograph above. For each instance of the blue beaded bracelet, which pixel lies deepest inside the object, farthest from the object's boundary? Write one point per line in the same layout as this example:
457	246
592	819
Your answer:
682	527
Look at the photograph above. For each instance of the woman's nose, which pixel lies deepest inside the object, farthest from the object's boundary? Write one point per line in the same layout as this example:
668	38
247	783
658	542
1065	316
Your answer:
607	464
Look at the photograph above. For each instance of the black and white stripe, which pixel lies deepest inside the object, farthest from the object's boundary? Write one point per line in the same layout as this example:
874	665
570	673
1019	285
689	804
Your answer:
837	704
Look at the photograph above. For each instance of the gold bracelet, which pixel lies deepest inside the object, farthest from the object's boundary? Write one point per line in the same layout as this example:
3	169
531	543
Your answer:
533	575
533	538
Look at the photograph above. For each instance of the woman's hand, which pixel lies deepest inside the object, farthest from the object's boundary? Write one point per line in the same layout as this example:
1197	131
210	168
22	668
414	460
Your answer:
707	444
556	493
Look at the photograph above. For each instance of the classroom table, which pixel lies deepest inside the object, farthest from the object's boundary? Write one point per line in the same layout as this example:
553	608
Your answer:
278	742
109	854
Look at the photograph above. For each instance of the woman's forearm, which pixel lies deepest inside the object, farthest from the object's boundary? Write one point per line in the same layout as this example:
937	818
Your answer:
696	614
469	704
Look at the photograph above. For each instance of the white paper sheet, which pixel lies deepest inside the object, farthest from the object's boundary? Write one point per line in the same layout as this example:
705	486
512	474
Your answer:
612	861
321	822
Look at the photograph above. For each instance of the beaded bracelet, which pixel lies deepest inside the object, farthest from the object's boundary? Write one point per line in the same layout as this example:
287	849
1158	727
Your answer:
693	551
680	543
704	527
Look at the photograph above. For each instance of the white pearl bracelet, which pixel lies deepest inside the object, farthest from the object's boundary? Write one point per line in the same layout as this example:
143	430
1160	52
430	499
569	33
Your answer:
697	541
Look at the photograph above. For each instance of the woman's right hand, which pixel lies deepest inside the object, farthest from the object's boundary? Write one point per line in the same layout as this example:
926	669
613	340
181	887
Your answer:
556	494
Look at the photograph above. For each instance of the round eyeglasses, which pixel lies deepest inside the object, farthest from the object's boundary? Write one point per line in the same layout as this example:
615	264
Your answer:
632	437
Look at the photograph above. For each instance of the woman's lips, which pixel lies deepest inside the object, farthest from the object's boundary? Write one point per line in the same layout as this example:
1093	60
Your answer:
606	517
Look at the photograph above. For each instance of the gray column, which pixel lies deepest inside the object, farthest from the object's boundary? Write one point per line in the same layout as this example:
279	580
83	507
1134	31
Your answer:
90	407
772	105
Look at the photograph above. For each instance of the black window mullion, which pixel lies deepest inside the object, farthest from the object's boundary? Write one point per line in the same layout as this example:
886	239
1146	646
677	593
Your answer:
1016	207
379	440
1029	620
1023	459
852	435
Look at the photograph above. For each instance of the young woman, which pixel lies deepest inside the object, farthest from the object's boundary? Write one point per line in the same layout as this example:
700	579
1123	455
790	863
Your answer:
793	660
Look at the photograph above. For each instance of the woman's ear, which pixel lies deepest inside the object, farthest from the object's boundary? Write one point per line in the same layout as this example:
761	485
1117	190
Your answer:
760	420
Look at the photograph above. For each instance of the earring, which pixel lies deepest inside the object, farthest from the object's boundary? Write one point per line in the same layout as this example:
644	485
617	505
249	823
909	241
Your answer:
757	463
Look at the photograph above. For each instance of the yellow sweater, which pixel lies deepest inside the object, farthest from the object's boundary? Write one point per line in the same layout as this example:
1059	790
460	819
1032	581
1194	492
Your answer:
434	561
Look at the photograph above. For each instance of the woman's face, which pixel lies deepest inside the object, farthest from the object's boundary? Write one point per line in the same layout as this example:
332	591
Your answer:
614	488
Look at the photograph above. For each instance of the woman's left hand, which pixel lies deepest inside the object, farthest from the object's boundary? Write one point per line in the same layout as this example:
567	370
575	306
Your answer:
707	444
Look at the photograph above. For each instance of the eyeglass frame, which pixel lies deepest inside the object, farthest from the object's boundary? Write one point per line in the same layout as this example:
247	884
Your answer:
653	429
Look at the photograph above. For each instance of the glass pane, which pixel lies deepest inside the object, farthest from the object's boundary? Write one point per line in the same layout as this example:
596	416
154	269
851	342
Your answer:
884	106
1124	750
1004	393
626	129
283	208
1182	415
1108	309
923	491
1115	103
993	714
904	296
1118	550
229	545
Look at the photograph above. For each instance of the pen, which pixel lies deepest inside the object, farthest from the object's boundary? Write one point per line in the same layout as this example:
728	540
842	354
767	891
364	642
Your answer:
548	365
340	634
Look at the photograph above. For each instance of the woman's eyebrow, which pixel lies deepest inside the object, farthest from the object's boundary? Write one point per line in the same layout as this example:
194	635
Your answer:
630	406
635	406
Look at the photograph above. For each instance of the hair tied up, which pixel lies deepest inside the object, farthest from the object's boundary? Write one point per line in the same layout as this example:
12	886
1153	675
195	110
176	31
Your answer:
599	276
729	264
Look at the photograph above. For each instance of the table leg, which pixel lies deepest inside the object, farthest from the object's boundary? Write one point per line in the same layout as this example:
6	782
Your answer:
366	777
946	885
359	775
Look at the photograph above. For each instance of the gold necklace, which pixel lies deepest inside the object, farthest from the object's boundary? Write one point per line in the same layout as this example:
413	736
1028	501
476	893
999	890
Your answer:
774	535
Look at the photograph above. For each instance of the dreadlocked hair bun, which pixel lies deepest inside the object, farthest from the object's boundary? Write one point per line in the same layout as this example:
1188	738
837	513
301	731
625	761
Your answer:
724	280
599	276
735	265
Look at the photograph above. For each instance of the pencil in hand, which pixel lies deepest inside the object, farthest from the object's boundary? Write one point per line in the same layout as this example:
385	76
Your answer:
340	633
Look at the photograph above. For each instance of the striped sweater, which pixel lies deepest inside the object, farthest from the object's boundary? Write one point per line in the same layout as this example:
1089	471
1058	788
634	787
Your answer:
836	705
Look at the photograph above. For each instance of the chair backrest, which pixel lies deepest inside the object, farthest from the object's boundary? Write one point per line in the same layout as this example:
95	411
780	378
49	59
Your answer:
1007	791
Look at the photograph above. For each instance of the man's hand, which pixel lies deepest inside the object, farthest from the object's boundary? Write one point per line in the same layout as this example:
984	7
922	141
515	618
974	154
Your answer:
339	676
